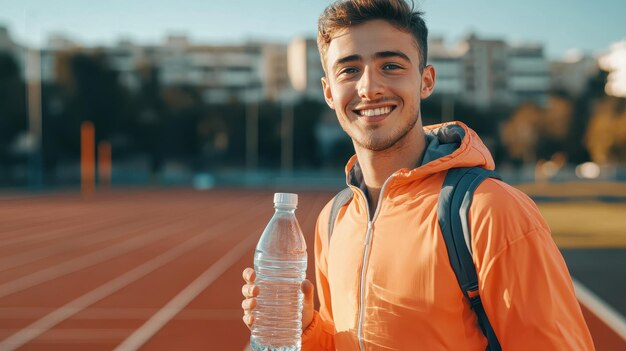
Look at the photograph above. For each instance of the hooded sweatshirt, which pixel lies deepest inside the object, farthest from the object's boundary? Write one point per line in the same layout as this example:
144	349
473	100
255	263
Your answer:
387	284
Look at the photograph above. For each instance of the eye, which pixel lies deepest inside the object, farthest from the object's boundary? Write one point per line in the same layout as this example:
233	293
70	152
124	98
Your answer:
348	71
391	66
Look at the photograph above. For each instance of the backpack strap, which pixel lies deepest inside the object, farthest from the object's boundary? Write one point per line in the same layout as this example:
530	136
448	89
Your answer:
455	199
340	200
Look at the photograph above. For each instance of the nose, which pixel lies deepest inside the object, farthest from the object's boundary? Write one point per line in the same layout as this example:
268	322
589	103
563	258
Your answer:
369	86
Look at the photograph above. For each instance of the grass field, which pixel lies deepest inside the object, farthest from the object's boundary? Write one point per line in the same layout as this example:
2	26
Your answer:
590	189
585	223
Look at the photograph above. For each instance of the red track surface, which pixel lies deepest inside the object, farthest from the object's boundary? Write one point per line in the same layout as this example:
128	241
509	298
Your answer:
149	270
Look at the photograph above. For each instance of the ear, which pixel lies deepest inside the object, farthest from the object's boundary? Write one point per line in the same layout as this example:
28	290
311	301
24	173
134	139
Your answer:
328	94
428	81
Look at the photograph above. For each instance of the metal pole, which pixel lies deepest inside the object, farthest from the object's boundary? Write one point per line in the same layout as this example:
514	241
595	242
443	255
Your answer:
252	136
33	95
287	138
87	159
447	108
104	164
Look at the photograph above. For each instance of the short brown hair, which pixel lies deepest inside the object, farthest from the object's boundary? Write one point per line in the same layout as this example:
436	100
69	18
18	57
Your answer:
347	13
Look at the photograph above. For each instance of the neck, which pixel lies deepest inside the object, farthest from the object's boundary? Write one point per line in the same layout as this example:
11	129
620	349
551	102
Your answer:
378	166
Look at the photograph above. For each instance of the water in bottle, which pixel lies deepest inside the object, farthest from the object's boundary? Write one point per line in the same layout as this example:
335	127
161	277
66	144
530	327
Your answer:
280	264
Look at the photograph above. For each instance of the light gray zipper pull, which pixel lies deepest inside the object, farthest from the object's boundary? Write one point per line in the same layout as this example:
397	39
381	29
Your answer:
370	225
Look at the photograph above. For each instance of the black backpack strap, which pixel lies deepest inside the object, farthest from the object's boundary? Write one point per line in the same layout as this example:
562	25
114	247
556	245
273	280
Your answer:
340	200
455	199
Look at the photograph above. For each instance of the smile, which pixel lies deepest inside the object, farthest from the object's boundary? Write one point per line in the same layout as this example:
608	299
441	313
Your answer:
375	111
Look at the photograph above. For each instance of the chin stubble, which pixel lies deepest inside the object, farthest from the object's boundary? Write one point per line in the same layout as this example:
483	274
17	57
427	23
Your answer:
390	141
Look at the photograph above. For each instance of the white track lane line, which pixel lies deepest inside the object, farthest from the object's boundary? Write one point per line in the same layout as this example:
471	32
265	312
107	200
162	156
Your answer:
93	258
175	305
59	247
87	260
48	234
601	309
47	322
43	231
119	313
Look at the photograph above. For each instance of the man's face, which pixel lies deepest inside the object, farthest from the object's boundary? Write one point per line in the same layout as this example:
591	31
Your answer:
374	85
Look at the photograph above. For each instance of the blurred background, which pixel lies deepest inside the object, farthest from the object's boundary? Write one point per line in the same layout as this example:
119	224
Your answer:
210	93
141	142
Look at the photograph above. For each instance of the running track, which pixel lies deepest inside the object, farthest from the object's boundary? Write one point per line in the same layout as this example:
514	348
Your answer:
145	270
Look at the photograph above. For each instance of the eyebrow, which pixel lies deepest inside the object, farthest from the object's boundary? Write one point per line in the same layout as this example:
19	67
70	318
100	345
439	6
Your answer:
378	55
346	59
390	54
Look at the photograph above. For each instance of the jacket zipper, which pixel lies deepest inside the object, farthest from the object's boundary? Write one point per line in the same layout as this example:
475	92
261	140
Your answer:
366	252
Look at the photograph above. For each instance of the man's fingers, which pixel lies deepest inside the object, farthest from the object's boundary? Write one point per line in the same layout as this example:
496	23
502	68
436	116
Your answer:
248	319
248	304
250	290
249	275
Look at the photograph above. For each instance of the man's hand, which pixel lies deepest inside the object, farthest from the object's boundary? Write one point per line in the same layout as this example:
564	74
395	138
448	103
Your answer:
251	291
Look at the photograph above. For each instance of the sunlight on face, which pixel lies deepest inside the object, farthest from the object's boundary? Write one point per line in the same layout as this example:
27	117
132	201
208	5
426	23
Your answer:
374	83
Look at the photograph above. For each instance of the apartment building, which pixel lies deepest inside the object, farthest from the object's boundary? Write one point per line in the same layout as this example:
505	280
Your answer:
485	71
448	63
305	68
528	74
275	71
571	72
223	72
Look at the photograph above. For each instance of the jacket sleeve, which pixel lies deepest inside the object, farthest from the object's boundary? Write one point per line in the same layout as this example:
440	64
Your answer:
319	335
524	283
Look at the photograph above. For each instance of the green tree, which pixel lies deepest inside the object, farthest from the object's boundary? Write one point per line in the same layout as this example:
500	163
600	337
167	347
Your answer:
13	118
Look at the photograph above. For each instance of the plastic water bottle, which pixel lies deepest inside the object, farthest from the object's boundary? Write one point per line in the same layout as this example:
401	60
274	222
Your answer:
280	264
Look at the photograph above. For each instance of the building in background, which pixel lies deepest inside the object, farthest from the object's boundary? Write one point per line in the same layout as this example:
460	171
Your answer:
222	72
485	72
274	71
122	58
571	73
305	68
528	74
614	62
448	63
126	60
489	72
479	72
245	72
450	75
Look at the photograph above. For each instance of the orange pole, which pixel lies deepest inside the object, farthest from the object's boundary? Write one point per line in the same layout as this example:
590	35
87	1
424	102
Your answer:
87	159
104	164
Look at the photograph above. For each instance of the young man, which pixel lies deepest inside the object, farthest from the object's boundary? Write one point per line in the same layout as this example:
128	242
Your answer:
384	280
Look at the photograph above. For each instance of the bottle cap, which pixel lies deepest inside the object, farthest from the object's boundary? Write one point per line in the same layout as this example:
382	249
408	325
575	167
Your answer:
286	199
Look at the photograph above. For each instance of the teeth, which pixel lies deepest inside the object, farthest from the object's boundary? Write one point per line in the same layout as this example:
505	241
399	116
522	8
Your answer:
375	112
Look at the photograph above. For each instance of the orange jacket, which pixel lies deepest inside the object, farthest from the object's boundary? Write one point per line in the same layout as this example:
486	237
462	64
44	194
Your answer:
392	287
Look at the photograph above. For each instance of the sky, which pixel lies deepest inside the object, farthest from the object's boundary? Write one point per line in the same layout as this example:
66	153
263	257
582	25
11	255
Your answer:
561	25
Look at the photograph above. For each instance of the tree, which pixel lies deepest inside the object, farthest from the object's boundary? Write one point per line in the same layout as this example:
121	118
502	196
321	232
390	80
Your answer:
13	118
554	127
520	135
605	138
90	91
